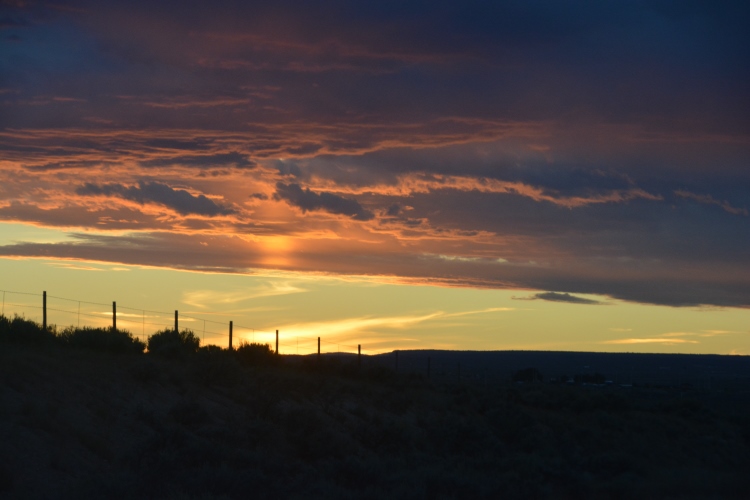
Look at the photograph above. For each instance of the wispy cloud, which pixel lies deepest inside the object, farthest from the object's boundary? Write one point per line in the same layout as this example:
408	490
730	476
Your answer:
654	340
713	333
203	299
672	337
707	199
77	267
87	267
482	311
349	326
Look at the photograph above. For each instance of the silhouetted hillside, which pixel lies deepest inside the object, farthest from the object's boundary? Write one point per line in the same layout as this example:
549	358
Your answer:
632	368
83	420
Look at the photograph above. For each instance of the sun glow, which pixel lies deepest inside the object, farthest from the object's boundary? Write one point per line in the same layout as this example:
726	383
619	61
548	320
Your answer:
277	251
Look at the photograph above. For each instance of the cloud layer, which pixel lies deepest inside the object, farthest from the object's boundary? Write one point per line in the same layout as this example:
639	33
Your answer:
179	200
587	149
561	297
308	200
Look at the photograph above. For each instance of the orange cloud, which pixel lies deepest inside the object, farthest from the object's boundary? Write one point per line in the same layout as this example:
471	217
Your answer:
413	183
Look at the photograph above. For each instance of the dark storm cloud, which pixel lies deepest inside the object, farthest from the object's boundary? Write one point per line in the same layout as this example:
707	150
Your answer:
155	192
329	202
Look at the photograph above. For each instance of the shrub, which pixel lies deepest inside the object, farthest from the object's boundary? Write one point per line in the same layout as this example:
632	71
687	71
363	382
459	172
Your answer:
145	371
211	349
172	343
256	354
22	330
216	366
102	339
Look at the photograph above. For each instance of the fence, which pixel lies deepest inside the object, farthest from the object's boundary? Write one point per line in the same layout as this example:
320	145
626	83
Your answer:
43	307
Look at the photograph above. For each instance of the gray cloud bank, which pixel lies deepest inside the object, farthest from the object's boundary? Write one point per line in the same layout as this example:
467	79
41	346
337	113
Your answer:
656	285
560	297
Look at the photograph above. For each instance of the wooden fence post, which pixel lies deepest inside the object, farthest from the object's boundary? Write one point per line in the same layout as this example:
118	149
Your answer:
176	330
318	348
396	353
359	355
277	341
230	335
44	311
114	315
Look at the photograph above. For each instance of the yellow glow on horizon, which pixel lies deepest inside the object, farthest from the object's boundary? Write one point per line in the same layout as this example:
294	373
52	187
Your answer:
666	340
340	327
369	331
378	313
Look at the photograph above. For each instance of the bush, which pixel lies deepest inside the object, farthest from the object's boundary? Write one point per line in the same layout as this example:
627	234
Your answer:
216	366
102	339
145	371
172	343
256	354
22	330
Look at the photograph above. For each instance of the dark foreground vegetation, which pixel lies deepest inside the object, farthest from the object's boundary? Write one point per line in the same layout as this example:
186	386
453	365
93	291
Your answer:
90	414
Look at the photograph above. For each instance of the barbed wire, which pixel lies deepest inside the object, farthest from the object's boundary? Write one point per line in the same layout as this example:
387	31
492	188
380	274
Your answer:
79	301
22	293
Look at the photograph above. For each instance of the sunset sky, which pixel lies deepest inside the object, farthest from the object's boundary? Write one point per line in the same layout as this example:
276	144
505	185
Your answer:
458	175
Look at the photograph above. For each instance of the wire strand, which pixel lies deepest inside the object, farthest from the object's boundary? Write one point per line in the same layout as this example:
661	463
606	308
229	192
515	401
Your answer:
22	293
163	321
